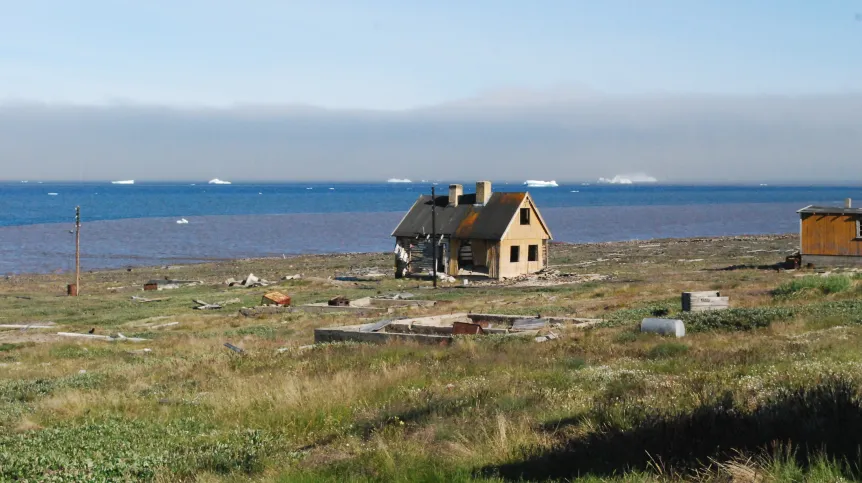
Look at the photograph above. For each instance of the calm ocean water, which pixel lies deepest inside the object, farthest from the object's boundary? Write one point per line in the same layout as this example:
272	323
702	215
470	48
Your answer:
136	224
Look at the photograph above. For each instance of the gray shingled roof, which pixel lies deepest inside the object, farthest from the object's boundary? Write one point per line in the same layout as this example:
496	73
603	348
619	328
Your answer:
466	220
830	210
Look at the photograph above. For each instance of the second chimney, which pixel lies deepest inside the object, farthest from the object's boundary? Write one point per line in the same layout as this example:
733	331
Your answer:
483	192
848	203
455	191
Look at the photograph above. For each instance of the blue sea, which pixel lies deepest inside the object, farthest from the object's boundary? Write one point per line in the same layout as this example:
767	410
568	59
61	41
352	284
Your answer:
133	225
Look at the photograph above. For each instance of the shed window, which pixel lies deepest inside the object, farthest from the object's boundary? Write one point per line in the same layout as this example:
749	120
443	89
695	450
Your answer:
859	228
515	254
525	216
533	253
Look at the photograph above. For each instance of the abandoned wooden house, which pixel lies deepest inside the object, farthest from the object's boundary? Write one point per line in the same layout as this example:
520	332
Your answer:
831	236
495	235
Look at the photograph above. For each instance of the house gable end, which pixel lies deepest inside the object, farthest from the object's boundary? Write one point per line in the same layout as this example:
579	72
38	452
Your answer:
514	223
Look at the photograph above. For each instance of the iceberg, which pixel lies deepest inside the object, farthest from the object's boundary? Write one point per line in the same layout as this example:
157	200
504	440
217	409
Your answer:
218	181
533	183
628	179
398	180
615	180
182	221
127	181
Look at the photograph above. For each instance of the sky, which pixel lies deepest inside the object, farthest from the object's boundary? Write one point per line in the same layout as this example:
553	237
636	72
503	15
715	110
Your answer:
344	90
396	54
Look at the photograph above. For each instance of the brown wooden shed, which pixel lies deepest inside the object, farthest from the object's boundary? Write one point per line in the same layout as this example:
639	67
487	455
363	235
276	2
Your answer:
831	236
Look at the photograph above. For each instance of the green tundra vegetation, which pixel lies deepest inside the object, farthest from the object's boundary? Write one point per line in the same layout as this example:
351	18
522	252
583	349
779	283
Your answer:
768	390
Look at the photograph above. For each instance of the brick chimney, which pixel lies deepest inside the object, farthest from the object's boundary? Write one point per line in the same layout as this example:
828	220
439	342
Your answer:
455	190
483	192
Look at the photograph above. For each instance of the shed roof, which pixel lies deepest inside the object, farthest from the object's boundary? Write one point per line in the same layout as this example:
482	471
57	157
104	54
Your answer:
467	220
830	210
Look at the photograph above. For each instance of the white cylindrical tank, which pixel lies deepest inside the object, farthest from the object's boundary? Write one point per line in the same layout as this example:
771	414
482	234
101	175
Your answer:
673	327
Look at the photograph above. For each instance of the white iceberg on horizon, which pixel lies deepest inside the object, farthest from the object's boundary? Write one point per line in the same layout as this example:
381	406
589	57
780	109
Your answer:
182	221
628	179
126	181
218	181
398	180
534	183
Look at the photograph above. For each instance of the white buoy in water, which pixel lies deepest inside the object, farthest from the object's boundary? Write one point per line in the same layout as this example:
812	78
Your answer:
673	327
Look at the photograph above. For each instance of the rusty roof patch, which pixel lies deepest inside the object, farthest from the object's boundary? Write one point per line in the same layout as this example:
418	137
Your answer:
467	220
465	228
512	198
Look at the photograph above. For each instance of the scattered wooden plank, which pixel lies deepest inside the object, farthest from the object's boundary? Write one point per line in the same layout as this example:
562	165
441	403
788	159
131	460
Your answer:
206	305
547	337
267	310
144	300
375	326
101	337
169	324
234	348
25	326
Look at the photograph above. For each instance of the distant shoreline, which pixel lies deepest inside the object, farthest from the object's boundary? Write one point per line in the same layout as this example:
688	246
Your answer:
306	257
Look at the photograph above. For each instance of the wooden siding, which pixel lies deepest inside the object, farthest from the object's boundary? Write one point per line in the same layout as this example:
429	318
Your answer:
494	260
523	236
830	235
523	265
422	255
454	246
482	255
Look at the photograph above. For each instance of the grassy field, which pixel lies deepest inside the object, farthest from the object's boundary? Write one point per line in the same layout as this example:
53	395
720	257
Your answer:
766	391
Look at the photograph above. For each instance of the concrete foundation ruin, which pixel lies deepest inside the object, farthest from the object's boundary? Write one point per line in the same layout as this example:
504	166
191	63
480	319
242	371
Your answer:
440	329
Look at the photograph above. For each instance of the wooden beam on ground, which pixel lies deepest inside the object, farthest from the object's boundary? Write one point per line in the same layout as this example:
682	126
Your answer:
101	337
234	348
144	300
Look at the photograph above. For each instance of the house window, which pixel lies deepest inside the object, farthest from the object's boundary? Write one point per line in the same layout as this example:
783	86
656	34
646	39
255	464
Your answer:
525	216
515	254
533	253
859	228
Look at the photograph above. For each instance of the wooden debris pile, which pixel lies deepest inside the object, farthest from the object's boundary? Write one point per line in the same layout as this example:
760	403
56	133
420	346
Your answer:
250	281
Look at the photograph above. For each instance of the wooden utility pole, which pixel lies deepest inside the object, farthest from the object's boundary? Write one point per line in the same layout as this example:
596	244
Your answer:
434	235
77	250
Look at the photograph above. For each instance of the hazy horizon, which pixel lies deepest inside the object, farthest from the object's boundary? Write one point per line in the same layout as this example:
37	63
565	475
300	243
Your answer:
676	139
706	92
